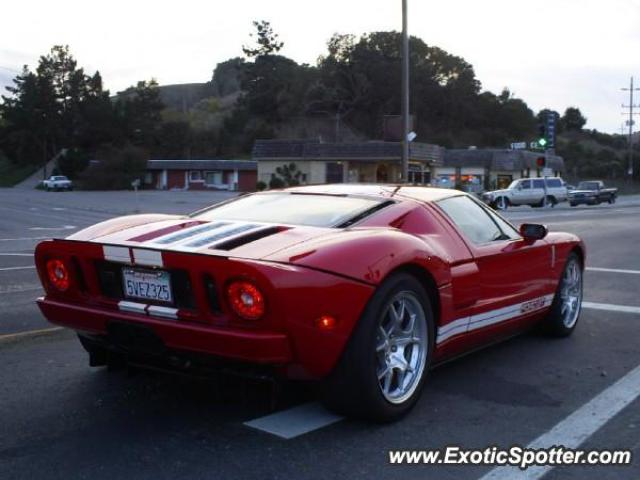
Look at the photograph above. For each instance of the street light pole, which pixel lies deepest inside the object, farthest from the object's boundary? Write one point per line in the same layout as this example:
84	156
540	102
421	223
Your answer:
631	106
405	95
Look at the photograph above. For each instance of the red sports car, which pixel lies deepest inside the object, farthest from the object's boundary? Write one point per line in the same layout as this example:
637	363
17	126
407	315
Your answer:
361	287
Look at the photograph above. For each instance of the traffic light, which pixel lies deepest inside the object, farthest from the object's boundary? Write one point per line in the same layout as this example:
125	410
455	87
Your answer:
542	135
541	162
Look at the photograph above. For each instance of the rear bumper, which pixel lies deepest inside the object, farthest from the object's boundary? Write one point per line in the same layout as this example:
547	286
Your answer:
233	344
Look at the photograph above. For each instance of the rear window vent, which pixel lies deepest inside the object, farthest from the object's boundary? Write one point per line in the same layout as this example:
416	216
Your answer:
248	238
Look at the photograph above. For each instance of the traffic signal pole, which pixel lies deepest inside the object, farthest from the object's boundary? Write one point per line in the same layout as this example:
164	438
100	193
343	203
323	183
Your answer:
405	94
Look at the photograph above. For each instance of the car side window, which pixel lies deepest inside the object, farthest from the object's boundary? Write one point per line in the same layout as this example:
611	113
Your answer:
538	183
526	184
472	219
554	183
507	229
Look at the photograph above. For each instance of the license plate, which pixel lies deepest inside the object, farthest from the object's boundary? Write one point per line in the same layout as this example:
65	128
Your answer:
152	285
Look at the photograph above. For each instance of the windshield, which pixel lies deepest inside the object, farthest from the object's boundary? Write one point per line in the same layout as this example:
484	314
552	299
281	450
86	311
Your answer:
513	185
291	208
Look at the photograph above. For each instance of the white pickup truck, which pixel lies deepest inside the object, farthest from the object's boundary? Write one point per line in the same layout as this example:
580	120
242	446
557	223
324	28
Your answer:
57	182
528	191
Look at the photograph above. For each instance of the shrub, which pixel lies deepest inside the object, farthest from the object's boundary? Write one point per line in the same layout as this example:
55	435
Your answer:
115	168
276	182
260	186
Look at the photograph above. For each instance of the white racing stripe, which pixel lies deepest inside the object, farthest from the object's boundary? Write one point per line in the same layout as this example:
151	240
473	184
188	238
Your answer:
164	312
480	320
295	421
610	307
579	426
134	307
116	254
612	270
151	258
151	310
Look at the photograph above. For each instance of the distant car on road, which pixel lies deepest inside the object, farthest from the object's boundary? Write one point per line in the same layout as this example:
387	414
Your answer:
527	191
592	192
360	287
57	182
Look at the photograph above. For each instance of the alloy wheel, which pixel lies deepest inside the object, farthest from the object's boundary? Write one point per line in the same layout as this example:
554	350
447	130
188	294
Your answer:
401	347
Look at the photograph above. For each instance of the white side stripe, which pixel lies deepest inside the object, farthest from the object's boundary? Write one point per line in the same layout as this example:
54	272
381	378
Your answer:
480	320
152	258
116	254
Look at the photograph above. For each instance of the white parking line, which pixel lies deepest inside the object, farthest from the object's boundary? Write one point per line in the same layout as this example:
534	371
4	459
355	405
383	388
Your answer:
6	269
23	238
580	425
295	421
613	270
610	307
29	333
16	254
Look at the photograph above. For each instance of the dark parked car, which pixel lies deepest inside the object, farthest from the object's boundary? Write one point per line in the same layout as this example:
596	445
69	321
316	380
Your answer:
592	192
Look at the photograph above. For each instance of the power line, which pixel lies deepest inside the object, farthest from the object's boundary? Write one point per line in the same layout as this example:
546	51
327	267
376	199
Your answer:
631	106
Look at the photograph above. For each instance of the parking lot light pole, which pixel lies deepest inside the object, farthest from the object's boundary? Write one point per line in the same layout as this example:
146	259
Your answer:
405	95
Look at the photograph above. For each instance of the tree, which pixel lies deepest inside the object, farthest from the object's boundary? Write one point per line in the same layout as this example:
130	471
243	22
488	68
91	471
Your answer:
55	107
266	41
227	76
573	120
139	109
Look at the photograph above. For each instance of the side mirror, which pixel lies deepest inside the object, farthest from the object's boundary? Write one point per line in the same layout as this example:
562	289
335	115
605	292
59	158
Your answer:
519	187
533	231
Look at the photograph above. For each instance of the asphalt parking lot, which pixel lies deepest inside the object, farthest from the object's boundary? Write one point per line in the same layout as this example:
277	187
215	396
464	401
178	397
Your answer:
63	419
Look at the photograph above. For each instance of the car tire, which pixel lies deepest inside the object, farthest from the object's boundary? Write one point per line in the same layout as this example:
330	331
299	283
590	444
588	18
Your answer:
612	200
551	200
371	380
567	303
501	203
573	204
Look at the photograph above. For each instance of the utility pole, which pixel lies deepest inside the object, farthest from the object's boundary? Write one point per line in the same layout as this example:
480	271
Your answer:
631	106
405	95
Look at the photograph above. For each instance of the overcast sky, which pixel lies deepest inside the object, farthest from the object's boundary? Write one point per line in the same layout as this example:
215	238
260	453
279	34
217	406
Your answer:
551	53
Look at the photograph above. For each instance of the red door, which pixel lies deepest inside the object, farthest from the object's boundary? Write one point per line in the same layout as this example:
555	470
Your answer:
512	272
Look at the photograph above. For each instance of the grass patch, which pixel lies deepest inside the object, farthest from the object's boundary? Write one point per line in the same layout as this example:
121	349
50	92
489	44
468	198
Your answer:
11	174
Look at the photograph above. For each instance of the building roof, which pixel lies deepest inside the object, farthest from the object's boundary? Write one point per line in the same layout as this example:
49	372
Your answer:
249	165
352	151
499	159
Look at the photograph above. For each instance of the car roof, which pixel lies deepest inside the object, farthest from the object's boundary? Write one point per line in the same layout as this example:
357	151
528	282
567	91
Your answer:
423	194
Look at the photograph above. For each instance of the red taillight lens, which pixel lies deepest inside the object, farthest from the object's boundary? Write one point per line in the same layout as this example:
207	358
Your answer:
246	300
58	274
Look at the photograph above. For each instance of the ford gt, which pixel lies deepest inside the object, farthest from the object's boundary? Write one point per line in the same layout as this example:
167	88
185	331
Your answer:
360	288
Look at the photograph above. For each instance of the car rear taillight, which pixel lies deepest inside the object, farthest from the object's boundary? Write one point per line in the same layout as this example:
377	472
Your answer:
58	274
246	300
